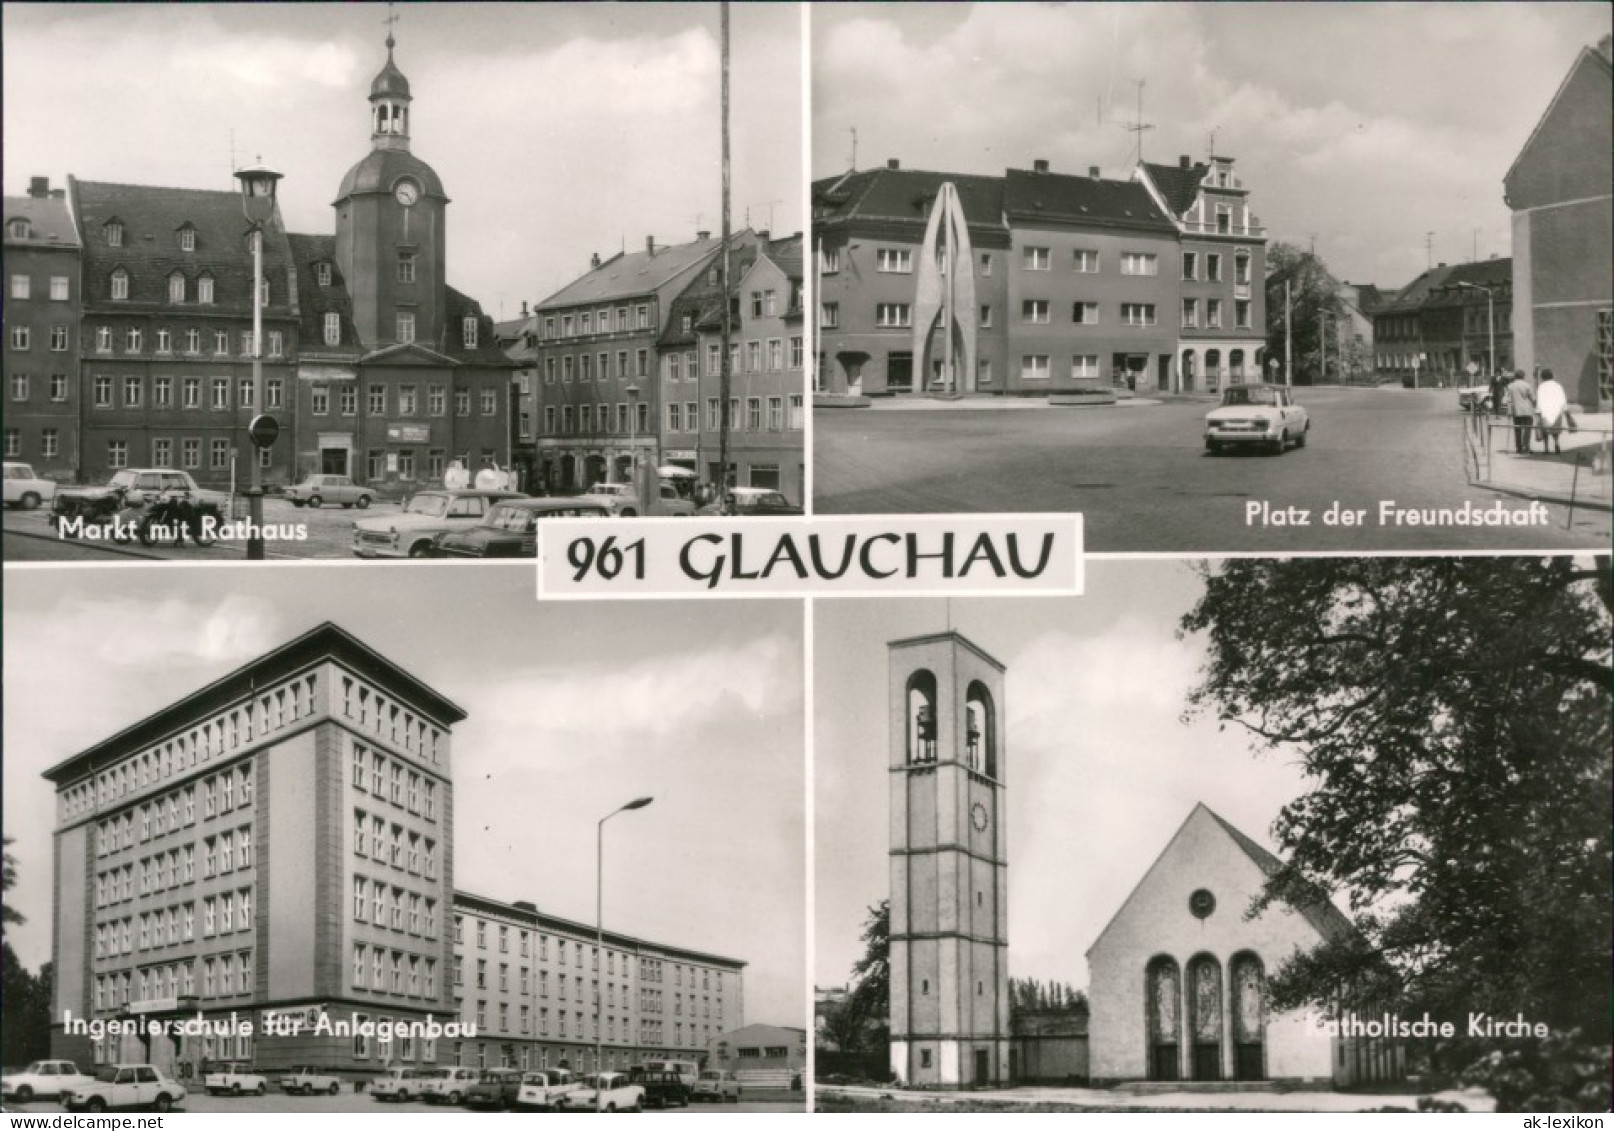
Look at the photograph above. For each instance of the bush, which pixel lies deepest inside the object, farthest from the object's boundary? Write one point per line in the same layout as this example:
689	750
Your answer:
1561	1073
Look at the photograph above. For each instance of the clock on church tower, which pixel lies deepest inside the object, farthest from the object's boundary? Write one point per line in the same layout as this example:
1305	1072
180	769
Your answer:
949	858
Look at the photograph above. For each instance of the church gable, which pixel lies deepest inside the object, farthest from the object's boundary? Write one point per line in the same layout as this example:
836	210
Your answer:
1562	159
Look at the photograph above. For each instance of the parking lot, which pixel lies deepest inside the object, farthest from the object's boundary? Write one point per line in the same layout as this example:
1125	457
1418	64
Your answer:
753	1100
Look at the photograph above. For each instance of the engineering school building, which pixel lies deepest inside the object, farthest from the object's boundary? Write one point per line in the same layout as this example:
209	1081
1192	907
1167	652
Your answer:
278	846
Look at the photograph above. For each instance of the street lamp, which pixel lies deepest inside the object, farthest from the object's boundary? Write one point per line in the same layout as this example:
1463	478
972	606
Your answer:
1490	322
599	923
633	442
258	185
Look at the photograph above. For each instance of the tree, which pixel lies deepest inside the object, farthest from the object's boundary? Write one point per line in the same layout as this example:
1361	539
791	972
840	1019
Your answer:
9	915
1027	995
871	994
1452	717
1313	299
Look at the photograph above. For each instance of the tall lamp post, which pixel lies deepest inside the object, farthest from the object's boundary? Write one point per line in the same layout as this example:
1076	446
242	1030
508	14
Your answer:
1490	323
258	204
599	927
633	444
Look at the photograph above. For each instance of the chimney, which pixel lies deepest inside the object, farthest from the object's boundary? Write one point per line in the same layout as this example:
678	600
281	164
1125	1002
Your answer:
523	308
39	187
1039	166
893	163
763	235
1182	161
594	260
650	245
1092	171
704	234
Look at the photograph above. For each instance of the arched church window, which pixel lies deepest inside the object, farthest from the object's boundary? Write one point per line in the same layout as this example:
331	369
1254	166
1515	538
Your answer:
980	737
1205	1016
1163	998
921	718
1248	978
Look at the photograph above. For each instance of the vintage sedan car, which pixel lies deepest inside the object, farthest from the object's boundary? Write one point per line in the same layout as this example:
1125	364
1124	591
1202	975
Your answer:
401	1084
317	490
1474	398
604	1091
510	529
542	1090
1263	416
662	1088
748	501
24	489
716	1087
234	1078
625	502
44	1079
307	1080
131	489
124	1086
496	1091
448	1085
409	533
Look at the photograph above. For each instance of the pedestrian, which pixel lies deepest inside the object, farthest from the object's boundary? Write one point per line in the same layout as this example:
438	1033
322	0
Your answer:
1499	386
1552	408
1522	407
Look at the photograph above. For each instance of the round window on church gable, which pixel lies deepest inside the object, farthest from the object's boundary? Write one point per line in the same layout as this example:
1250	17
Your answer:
1202	903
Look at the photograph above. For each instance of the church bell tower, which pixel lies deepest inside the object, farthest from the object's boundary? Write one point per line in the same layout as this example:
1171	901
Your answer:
949	863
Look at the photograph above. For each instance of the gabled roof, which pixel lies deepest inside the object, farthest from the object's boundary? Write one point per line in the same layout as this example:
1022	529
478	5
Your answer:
151	217
1433	287
315	301
635	273
1597	58
1034	196
457	308
906	195
1178	185
49	223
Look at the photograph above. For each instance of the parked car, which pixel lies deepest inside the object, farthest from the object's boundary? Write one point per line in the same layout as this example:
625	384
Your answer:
131	489
44	1079
661	1087
448	1085
543	1089
426	514
496	1090
717	1087
1474	398
604	1091
510	529
122	1086
624	500
401	1084
316	490
307	1079
1256	415
26	490
748	501
234	1078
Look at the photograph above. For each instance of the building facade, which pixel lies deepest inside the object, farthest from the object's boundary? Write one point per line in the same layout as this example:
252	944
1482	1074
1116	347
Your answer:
42	316
279	844
949	972
1563	232
761	1056
1448	319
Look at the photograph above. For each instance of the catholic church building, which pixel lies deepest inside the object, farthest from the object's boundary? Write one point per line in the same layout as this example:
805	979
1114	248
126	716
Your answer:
373	365
1178	977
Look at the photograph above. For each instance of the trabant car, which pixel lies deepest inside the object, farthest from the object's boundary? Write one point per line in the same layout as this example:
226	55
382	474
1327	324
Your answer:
409	533
448	1085
124	1086
26	490
401	1084
544	1088
234	1078
496	1090
306	1079
1260	416
716	1087
317	490
44	1079
510	529
604	1091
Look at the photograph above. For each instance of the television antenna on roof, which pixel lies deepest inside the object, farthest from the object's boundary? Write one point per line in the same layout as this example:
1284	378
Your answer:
1138	126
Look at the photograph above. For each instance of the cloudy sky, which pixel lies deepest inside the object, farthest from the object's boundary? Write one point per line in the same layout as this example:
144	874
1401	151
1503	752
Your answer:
1364	126
1100	768
573	709
559	130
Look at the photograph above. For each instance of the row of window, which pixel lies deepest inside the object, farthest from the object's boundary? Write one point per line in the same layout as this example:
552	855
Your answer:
22	338
163	341
50	443
226	975
387	779
394	908
220	793
22	387
408	401
587	367
162	454
1212	261
103	389
371	840
22	286
222	914
221	854
899	260
393	971
1213	313
584	322
761	415
385	718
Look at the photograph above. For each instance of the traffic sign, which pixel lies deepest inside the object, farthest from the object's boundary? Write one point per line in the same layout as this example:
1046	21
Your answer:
263	430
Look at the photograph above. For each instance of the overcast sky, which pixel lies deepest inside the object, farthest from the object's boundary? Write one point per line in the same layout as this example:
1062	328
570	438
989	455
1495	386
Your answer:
574	708
1100	769
1364	125
559	130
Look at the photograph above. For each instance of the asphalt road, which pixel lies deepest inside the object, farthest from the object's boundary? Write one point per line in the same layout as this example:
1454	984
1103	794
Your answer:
1140	476
347	1101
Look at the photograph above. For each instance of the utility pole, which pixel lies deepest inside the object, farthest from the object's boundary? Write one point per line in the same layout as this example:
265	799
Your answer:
854	147
1428	250
724	366
1288	336
1322	345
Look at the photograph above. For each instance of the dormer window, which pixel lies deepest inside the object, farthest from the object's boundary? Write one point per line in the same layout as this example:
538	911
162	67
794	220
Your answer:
322	272
204	290
18	229
176	287
469	329
187	238
114	233
120	284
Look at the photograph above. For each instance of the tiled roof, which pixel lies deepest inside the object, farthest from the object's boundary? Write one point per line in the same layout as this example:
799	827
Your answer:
151	218
1091	200
1436	286
315	301
486	351
379	170
634	273
906	194
787	253
1179	186
49	224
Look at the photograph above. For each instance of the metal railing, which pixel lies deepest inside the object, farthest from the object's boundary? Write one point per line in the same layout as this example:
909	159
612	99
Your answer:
1569	465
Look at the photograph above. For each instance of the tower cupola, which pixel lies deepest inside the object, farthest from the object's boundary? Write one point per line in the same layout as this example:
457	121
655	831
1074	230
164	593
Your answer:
389	105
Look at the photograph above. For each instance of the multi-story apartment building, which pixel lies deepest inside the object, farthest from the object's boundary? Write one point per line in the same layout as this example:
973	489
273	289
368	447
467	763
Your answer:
280	840
42	307
279	844
1222	315
597	343
766	373
1448	318
1082	284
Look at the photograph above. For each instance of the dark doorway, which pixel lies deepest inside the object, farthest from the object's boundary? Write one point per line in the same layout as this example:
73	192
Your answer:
899	372
983	1066
1163	1061
333	461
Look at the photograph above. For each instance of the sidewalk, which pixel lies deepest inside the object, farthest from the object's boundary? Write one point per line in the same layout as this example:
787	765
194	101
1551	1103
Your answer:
1181	1101
943	404
1580	473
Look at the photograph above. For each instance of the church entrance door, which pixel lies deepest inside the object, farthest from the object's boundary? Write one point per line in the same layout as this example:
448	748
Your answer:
983	1066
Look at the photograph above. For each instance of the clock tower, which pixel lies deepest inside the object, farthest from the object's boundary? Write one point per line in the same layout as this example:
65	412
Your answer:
391	227
949	861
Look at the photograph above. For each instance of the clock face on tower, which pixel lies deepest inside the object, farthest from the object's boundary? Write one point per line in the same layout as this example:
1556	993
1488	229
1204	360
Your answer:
407	192
978	817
